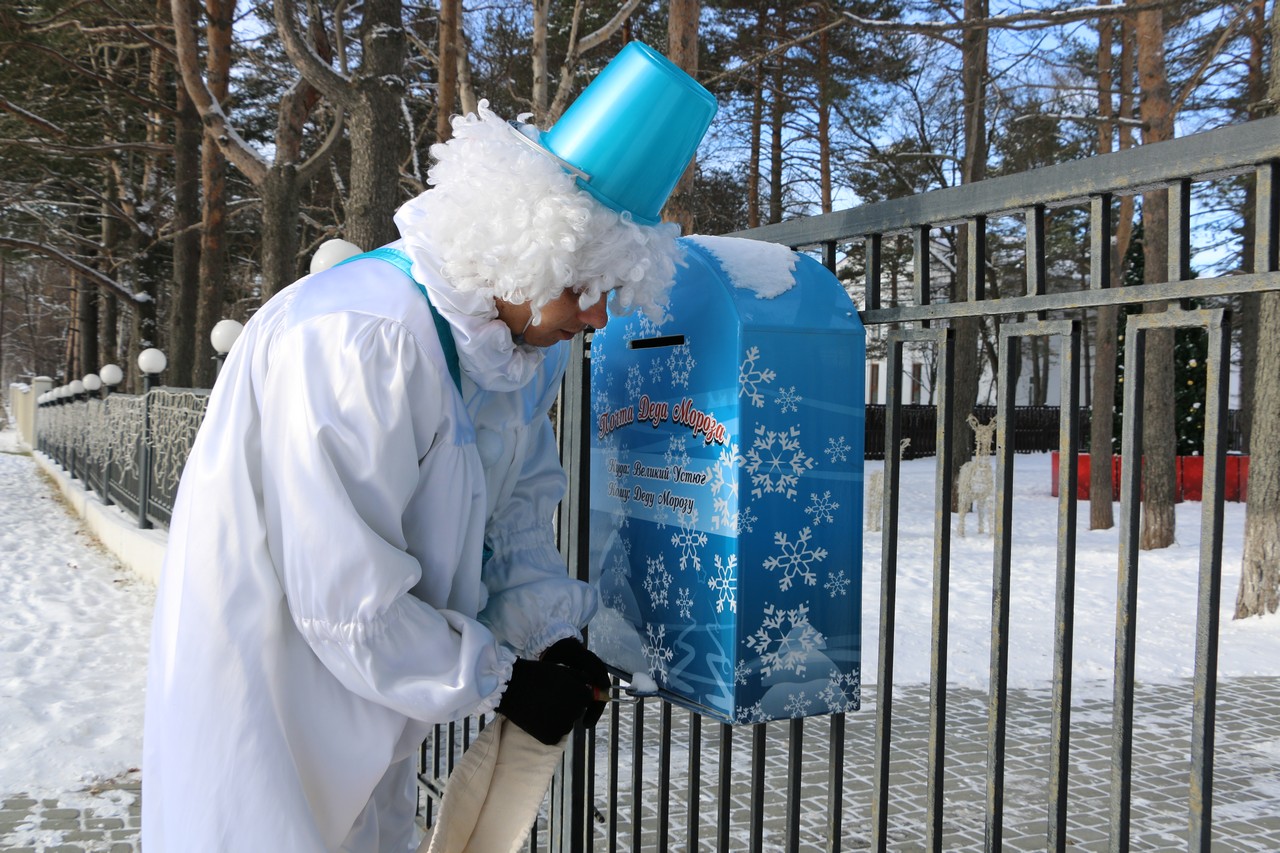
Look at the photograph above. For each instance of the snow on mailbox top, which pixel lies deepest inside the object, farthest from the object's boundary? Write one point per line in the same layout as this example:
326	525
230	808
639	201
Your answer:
726	486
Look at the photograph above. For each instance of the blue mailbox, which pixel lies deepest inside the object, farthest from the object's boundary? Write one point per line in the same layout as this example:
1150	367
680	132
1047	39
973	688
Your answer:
726	487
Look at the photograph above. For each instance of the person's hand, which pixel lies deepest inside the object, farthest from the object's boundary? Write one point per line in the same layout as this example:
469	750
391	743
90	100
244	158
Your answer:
571	653
545	699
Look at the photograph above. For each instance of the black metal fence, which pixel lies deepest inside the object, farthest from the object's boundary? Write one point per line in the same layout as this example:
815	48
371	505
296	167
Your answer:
128	449
757	782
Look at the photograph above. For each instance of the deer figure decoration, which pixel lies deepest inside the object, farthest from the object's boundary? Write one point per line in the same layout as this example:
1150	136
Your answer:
875	492
977	485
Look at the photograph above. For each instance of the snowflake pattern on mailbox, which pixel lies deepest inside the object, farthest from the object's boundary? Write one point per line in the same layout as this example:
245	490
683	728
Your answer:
726	487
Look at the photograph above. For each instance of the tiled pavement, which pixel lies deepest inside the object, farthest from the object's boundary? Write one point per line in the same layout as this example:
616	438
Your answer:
1246	814
65	826
1246	811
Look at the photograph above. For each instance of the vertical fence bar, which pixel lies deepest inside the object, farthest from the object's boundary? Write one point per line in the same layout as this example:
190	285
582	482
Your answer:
941	593
795	761
888	592
997	707
637	775
1100	229
725	778
1179	259
1064	598
1127	585
144	464
664	776
589	801
615	749
977	257
1209	599
829	256
695	778
759	743
1266	218
1035	250
873	245
835	783
920	266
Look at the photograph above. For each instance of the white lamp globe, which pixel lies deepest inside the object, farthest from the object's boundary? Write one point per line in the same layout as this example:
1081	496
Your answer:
152	361
76	387
332	252
224	335
92	382
111	374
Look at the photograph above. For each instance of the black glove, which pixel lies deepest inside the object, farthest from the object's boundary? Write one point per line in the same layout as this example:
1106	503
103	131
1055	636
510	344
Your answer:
545	699
571	653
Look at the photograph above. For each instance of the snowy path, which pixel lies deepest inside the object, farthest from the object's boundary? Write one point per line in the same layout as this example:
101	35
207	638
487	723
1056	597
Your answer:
74	631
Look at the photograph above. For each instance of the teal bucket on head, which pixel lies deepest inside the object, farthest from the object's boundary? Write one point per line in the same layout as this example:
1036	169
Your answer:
633	131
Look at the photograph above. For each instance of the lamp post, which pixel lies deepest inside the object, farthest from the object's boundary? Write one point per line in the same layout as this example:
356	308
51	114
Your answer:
75	393
223	337
92	391
151	362
110	374
332	252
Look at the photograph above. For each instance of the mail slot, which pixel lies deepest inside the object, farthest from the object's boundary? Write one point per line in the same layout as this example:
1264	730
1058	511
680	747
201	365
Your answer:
726	487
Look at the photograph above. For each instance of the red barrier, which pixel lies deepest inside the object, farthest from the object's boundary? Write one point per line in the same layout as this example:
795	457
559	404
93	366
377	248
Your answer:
1190	476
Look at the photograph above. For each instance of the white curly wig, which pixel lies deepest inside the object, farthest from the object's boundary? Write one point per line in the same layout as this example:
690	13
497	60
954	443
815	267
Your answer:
508	222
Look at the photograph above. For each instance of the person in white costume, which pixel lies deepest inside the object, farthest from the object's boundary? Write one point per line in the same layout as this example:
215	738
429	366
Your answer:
362	544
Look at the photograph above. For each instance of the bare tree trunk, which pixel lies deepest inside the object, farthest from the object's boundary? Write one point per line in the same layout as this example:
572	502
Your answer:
1102	411
1101	492
1255	95
87	320
541	70
213	182
682	41
778	115
447	91
973	168
1260	566
108	329
377	144
280	198
824	121
1159	440
753	164
186	241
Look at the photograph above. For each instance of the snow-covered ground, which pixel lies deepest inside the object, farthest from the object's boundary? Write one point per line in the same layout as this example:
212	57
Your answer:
1167	589
74	629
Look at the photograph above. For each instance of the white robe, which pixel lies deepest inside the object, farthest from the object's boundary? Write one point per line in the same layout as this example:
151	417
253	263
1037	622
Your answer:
322	601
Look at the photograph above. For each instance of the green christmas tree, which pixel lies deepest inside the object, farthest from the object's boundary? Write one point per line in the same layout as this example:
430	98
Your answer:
1190	353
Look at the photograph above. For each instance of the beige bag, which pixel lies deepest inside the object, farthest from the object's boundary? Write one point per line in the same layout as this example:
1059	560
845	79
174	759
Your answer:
493	794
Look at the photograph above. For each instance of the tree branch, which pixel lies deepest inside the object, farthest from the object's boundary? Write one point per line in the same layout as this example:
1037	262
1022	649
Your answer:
577	47
313	164
31	118
218	128
108	147
310	65
85	270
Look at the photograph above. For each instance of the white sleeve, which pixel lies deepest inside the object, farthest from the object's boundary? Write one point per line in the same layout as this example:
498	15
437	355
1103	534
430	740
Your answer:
341	444
532	599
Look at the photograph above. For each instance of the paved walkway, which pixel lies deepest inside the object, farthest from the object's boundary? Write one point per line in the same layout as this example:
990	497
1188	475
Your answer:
1246	812
1246	798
